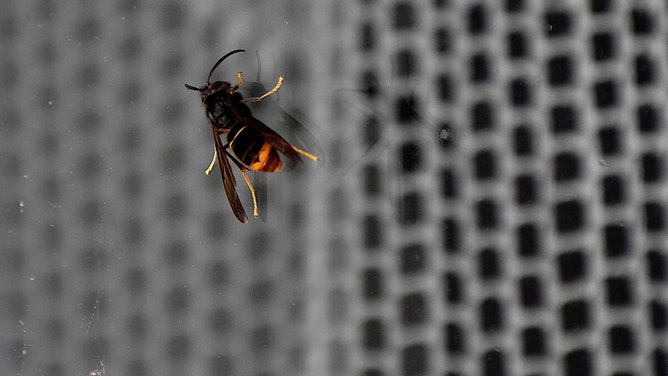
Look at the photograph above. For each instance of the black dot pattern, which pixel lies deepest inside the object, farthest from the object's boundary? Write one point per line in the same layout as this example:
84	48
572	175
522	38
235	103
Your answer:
490	198
545	222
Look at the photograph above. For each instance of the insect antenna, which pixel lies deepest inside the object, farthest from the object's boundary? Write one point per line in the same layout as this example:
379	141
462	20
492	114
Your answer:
208	79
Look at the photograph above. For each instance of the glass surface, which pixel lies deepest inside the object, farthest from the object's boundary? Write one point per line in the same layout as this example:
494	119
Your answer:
489	197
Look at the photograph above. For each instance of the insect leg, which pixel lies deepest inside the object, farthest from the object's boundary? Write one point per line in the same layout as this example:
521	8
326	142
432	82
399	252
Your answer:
241	80
270	92
256	212
306	153
213	161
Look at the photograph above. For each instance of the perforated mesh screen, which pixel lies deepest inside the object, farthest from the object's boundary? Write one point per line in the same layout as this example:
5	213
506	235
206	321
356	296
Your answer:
490	200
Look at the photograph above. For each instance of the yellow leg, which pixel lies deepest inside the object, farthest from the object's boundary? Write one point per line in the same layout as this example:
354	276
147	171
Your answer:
306	153
213	161
256	212
241	80
270	92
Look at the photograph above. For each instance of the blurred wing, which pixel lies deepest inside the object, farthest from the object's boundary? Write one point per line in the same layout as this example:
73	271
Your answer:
272	137
228	178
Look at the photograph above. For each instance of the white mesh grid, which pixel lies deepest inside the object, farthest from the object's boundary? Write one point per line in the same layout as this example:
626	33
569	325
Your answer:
490	199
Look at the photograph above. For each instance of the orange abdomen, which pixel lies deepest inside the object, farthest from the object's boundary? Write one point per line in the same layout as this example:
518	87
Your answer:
253	150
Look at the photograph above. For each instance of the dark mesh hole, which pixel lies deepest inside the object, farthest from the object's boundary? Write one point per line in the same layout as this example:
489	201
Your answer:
621	340
373	335
55	369
658	315
616	240
657	265
413	309
651	168
559	71
575	316
569	216
563	119
530	292
618	292
480	68
410	209
609	141
642	22
613	190
520	93
603	45
221	364
486	214
578	362
572	266
410	157
523	141
448	184
514	6
660	362
450	235
491	316
527	240
525	190
177	300
533	342
566	167
262	339
372	181
90	166
644	70
367	37
53	286
485	165
372	284
261	291
647	118
482	116
372	232
406	108
214	223
557	23
600	6
493	363
370	85
413	258
517	45
414	360
220	321
136	281
175	206
453	335
171	16
137	326
371	131
654	218
219	273
446	90
477	19
442	42
372	371
452	287
403	15
406	63
605	94
488	264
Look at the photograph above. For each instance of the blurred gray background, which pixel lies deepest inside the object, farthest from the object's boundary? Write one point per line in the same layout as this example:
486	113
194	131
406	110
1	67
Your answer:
491	198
